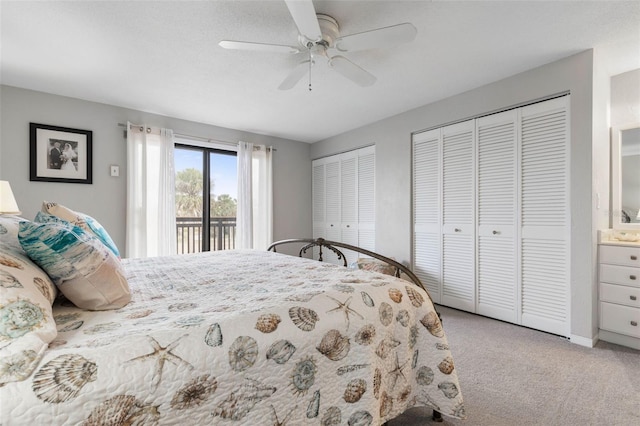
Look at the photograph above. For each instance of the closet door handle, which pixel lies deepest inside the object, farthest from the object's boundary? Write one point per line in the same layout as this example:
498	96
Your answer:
495	232
634	257
632	277
634	323
633	297
457	230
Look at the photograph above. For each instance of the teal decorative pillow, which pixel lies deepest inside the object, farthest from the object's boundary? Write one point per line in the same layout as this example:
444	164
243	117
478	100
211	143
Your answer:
26	320
83	268
83	221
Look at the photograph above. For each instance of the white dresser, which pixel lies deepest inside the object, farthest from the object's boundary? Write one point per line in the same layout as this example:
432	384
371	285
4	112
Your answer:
619	290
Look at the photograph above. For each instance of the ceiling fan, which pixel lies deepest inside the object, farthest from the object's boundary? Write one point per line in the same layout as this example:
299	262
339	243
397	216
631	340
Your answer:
319	38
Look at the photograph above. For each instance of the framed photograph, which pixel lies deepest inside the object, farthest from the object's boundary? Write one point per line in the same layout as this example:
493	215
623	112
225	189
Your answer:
60	154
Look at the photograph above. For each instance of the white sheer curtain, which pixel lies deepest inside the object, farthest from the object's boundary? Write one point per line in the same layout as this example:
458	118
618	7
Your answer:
255	197
151	214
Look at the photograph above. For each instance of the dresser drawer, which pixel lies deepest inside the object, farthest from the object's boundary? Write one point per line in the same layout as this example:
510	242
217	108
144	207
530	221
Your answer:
618	255
620	319
615	274
620	294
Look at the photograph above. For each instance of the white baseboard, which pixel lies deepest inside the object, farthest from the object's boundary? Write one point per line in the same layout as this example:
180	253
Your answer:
583	341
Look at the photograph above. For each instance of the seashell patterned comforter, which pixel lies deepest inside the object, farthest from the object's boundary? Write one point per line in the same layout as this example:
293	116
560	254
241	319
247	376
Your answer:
242	337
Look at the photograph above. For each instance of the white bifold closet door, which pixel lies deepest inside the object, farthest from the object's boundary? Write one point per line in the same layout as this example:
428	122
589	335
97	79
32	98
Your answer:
458	218
544	213
497	277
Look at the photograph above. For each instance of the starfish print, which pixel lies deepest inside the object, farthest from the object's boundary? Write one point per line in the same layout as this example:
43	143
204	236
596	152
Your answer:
284	421
397	372
162	354
344	307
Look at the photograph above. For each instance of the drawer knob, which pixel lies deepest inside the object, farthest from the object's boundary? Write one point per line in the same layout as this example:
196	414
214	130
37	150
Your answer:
632	277
634	257
634	323
458	230
633	298
496	232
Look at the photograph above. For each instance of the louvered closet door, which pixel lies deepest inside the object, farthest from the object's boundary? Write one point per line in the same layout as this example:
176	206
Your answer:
318	202
426	211
332	229
349	203
458	225
545	216
497	279
367	198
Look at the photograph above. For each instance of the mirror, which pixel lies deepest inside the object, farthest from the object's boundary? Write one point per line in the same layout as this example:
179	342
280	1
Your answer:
625	177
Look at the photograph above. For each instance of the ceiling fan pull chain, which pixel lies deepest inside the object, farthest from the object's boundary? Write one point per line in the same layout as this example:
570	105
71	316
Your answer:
309	69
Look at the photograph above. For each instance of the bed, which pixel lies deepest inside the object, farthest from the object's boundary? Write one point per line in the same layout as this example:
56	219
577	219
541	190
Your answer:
232	337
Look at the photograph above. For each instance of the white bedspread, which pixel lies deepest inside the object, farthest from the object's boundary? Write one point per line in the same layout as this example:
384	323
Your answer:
242	337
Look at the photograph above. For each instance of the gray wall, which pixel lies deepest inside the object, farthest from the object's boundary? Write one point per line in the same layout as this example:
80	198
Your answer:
392	138
105	199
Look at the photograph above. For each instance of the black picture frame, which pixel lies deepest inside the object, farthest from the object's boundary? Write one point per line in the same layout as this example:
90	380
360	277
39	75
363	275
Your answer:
60	154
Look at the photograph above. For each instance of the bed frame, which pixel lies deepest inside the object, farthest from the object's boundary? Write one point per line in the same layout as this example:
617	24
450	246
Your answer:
333	246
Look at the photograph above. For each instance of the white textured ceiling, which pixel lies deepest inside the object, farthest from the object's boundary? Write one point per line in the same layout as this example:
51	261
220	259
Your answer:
163	56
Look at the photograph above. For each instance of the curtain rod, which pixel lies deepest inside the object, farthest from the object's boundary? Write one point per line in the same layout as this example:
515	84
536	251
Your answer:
200	138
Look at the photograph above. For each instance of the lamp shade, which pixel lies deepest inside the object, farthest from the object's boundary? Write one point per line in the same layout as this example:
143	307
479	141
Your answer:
8	203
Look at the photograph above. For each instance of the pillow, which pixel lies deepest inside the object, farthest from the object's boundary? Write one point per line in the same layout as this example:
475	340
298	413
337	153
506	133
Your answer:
85	270
86	222
375	265
26	320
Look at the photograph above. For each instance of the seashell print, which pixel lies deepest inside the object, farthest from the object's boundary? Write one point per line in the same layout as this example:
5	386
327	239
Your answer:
386	313
404	394
281	351
57	343
102	328
446	366
268	323
304	318
18	318
344	288
413	335
367	299
331	417
304	375
313	409
395	295
44	288
450	390
425	399
386	405
424	376
350	368
354	391
403	317
334	345
3	230
432	323
241	401
123	410
243	353
442	346
414	360
385	346
18	366
194	392
365	335
377	381
414	295
7	280
459	411
303	297
11	263
62	378
190	321
65	318
360	418
140	314
179	307
70	327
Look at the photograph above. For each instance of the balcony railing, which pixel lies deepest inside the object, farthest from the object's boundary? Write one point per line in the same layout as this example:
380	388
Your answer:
189	231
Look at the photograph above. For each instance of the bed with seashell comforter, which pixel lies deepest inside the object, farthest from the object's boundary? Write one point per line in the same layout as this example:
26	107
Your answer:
242	337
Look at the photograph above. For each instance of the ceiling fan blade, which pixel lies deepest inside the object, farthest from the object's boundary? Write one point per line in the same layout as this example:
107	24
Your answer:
261	47
295	75
352	71
304	15
378	38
